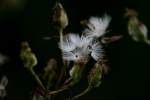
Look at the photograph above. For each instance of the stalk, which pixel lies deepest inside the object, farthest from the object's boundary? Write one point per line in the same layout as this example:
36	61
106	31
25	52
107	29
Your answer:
81	94
37	79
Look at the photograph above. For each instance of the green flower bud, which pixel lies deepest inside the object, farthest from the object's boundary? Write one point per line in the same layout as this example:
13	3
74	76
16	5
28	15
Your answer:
76	72
28	57
59	17
95	76
136	29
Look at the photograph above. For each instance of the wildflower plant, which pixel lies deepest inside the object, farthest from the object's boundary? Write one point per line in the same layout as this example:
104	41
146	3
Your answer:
97	26
77	49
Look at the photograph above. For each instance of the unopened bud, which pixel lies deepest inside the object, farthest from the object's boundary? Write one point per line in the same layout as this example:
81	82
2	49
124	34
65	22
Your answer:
59	17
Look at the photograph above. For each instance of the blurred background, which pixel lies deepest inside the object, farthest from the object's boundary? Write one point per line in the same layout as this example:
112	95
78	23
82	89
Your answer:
30	20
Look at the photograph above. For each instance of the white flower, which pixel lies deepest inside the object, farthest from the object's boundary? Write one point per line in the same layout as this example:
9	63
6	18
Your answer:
76	55
85	40
67	44
3	84
74	38
80	41
76	48
96	50
72	41
97	26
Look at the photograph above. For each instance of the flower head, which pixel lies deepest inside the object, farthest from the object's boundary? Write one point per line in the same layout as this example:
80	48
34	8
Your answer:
96	50
75	39
79	41
76	55
85	40
67	44
72	41
97	26
79	48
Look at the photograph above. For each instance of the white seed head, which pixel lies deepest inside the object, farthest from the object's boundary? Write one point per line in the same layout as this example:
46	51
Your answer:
97	26
67	44
96	51
76	55
72	41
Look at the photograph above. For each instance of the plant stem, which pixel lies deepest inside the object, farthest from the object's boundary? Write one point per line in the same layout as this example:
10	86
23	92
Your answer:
57	91
37	79
61	37
61	89
63	69
81	94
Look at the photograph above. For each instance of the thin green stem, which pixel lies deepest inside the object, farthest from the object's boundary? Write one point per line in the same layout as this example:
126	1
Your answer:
37	79
57	91
81	94
61	37
63	69
61	89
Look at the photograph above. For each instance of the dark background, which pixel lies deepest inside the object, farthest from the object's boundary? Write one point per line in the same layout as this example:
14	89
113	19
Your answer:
129	61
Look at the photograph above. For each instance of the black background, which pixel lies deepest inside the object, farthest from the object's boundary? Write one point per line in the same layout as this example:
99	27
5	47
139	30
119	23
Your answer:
129	61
